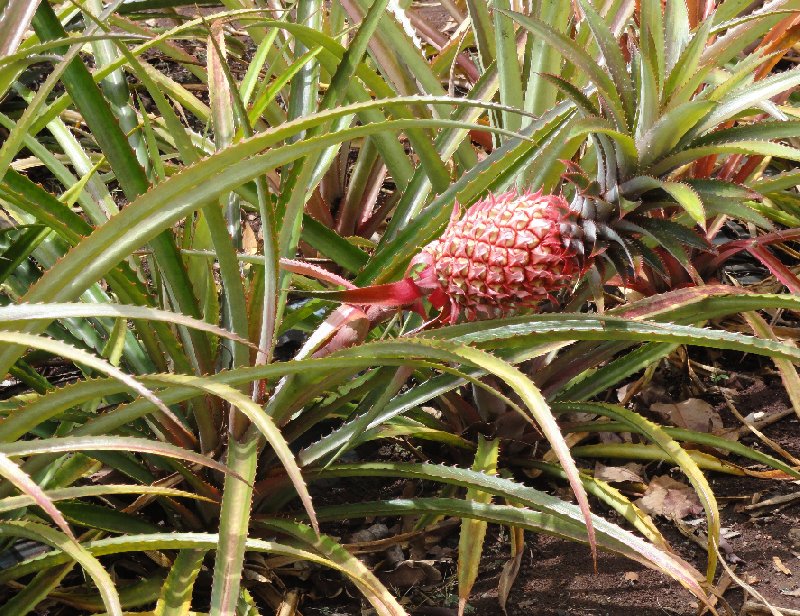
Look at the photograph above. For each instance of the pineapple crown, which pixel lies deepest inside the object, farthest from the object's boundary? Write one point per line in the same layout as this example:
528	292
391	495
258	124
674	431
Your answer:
605	235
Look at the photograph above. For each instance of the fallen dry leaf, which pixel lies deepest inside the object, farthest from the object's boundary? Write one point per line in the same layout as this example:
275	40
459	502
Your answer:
507	577
511	567
670	498
626	392
410	573
779	566
249	241
692	414
729	533
613	437
617	474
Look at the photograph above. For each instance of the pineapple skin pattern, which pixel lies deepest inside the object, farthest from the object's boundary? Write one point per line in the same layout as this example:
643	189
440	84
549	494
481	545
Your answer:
510	251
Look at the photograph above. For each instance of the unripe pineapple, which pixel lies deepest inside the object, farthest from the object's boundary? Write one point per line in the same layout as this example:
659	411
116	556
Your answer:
509	251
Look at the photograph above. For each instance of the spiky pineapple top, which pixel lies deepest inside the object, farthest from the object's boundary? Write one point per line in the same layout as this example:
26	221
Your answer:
509	251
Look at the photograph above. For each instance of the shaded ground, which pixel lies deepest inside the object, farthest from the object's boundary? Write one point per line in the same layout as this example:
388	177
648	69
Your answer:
557	577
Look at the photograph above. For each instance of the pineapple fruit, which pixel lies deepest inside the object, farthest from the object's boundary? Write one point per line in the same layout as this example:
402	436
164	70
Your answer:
510	251
651	117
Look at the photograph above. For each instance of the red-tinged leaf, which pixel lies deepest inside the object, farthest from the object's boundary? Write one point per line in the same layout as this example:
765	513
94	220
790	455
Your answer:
22	481
314	271
651	307
322	340
349	326
732	248
72	444
15	18
482	138
233	527
778	269
778	41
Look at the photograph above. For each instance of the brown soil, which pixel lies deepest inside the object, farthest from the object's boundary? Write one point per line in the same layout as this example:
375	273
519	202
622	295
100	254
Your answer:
557	576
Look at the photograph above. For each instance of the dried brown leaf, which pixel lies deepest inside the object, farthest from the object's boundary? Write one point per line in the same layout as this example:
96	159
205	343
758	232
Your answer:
670	498
618	474
779	566
249	241
410	573
692	414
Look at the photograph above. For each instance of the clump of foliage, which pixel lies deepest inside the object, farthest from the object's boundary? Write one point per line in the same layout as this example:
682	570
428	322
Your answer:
183	195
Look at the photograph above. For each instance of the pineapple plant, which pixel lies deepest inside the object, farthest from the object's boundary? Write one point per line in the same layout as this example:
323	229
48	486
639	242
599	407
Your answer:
627	125
649	116
658	110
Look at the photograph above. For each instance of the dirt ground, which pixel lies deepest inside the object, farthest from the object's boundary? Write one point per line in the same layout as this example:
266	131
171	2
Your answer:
557	576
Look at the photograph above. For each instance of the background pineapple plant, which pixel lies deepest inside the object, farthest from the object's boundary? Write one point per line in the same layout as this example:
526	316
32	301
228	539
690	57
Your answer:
152	237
